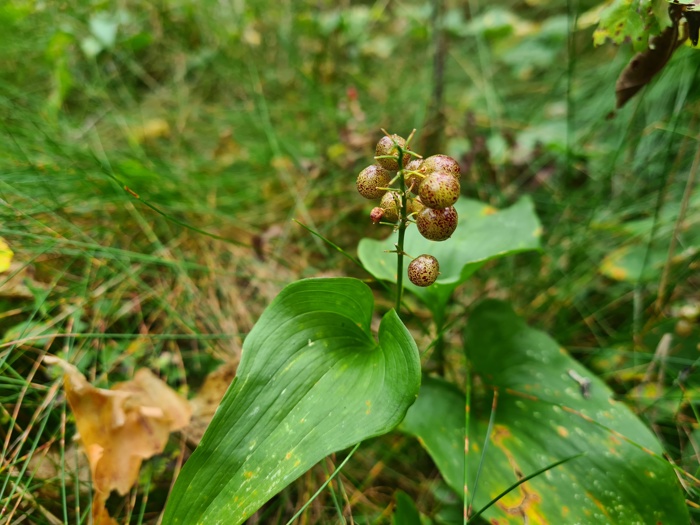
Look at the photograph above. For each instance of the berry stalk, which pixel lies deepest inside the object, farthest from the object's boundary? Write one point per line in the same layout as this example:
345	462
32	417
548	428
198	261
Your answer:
403	222
412	189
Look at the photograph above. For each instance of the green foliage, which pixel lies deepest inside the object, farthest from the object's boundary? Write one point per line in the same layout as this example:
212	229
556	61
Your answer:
627	20
542	415
406	512
235	118
644	243
312	381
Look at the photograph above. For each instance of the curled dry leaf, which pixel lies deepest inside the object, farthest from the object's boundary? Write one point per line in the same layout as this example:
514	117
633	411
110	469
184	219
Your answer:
121	427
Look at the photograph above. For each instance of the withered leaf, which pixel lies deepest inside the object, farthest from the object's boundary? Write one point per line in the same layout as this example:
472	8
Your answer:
693	19
121	427
645	65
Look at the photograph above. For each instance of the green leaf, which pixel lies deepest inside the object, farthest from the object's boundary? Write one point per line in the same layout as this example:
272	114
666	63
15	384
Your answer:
406	512
103	27
636	260
483	233
437	420
632	20
312	380
634	263
542	416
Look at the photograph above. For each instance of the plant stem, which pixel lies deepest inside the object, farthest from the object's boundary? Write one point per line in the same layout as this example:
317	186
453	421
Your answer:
661	297
438	357
402	231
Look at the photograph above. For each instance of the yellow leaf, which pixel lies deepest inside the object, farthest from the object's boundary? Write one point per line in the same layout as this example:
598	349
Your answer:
121	427
152	129
5	256
610	267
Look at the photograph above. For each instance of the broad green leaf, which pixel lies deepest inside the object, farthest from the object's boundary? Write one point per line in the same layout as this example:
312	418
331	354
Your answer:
483	233
437	420
312	380
542	416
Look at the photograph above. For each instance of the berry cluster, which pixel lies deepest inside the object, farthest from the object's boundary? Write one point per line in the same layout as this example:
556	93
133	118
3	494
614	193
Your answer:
419	190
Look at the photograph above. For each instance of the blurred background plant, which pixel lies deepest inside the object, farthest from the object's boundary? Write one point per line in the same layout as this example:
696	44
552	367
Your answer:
153	156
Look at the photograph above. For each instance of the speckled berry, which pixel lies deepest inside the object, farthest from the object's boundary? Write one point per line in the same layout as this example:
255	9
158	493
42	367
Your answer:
423	270
413	180
371	179
385	146
442	163
391	204
437	225
439	190
376	214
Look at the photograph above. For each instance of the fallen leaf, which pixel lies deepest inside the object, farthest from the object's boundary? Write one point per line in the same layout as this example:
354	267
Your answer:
121	427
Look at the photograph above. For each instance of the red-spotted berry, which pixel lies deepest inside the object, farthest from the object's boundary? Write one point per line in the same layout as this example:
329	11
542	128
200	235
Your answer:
371	180
437	225
386	146
442	163
439	190
423	270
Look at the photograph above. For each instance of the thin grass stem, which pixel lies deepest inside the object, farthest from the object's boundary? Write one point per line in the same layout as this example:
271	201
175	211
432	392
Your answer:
520	482
325	484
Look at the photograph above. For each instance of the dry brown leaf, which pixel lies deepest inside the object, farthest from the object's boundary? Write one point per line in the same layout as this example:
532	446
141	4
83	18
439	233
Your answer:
121	427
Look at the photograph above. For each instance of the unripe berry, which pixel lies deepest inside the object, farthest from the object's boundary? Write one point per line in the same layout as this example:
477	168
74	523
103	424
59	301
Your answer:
391	204
439	190
376	214
437	225
371	179
423	270
442	163
385	146
414	206
412	180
